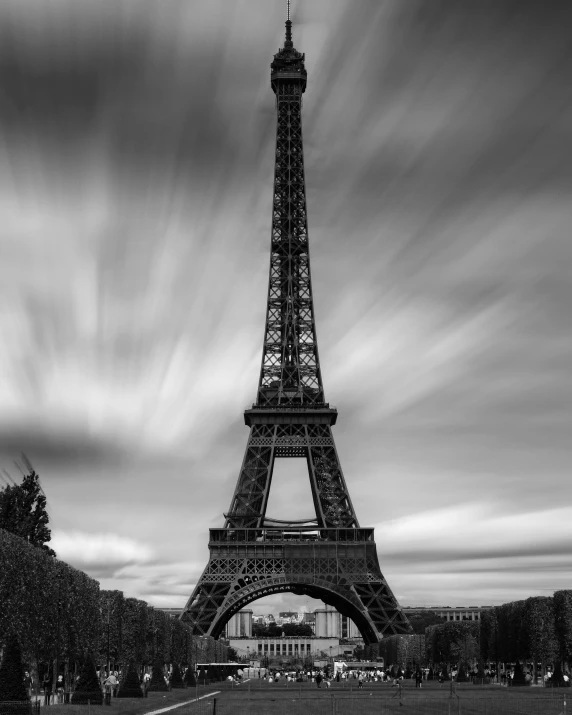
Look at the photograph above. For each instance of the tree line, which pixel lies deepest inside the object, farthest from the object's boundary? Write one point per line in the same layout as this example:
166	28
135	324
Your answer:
273	630
526	634
60	614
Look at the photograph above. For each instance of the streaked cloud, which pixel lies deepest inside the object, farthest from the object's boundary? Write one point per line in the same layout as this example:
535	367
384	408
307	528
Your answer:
136	185
100	555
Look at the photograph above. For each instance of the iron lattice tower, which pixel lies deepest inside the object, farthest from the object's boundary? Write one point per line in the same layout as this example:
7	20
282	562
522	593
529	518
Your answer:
329	557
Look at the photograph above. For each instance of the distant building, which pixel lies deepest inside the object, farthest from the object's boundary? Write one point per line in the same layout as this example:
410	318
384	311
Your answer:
330	623
289	647
240	625
450	613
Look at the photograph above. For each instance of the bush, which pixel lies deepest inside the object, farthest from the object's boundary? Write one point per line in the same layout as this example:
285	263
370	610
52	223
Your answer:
557	679
519	676
462	676
215	674
88	687
130	686
157	682
12	686
177	678
189	678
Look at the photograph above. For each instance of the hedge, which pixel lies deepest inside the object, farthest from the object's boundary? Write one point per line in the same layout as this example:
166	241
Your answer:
563	624
452	642
43	598
38	593
403	650
12	686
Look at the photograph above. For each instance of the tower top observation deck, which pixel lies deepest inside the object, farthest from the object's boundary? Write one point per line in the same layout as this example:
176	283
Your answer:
288	63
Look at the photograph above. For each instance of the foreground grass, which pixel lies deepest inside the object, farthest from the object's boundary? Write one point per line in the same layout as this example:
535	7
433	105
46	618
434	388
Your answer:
132	706
258	697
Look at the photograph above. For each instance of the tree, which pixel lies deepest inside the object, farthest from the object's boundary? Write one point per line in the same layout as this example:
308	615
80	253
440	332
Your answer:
88	687
12	688
23	510
232	655
542	643
563	624
420	621
130	687
302	630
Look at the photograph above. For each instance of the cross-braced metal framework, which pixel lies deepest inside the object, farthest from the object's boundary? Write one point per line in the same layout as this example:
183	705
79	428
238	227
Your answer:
329	557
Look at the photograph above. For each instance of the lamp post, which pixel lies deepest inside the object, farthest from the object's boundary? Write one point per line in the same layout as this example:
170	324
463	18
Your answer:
57	669
108	620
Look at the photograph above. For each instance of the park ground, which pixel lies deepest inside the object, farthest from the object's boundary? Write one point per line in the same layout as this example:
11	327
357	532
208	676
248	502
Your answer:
258	697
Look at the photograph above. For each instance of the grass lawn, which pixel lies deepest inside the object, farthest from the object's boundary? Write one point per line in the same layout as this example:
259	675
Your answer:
263	698
258	697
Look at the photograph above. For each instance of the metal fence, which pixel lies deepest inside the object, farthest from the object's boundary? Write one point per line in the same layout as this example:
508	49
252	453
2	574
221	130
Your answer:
371	705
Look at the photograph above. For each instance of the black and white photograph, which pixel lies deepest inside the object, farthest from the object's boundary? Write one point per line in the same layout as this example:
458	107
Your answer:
286	356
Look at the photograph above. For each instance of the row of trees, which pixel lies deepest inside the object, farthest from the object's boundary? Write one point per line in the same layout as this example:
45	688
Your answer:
532	631
288	629
60	613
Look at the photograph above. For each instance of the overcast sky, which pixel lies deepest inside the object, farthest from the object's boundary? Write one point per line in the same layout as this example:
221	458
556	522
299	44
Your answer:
136	162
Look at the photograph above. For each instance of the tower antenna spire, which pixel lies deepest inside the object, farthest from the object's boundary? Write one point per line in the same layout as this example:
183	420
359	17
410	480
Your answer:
288	42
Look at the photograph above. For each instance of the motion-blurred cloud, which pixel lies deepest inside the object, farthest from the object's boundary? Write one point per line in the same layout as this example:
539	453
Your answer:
136	159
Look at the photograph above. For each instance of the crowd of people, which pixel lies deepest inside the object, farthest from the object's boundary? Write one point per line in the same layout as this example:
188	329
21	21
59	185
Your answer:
109	681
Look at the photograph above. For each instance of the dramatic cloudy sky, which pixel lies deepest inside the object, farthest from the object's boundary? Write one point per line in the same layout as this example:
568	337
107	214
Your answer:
136	160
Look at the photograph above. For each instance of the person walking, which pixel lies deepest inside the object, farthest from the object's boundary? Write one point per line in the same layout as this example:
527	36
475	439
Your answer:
28	683
109	684
60	689
319	680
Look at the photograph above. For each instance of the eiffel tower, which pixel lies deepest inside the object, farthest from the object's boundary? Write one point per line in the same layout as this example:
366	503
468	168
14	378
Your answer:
330	557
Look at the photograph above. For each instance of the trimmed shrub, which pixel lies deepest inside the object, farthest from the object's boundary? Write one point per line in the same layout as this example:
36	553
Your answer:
189	678
12	688
130	686
519	676
216	674
557	679
88	687
157	682
462	676
177	678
